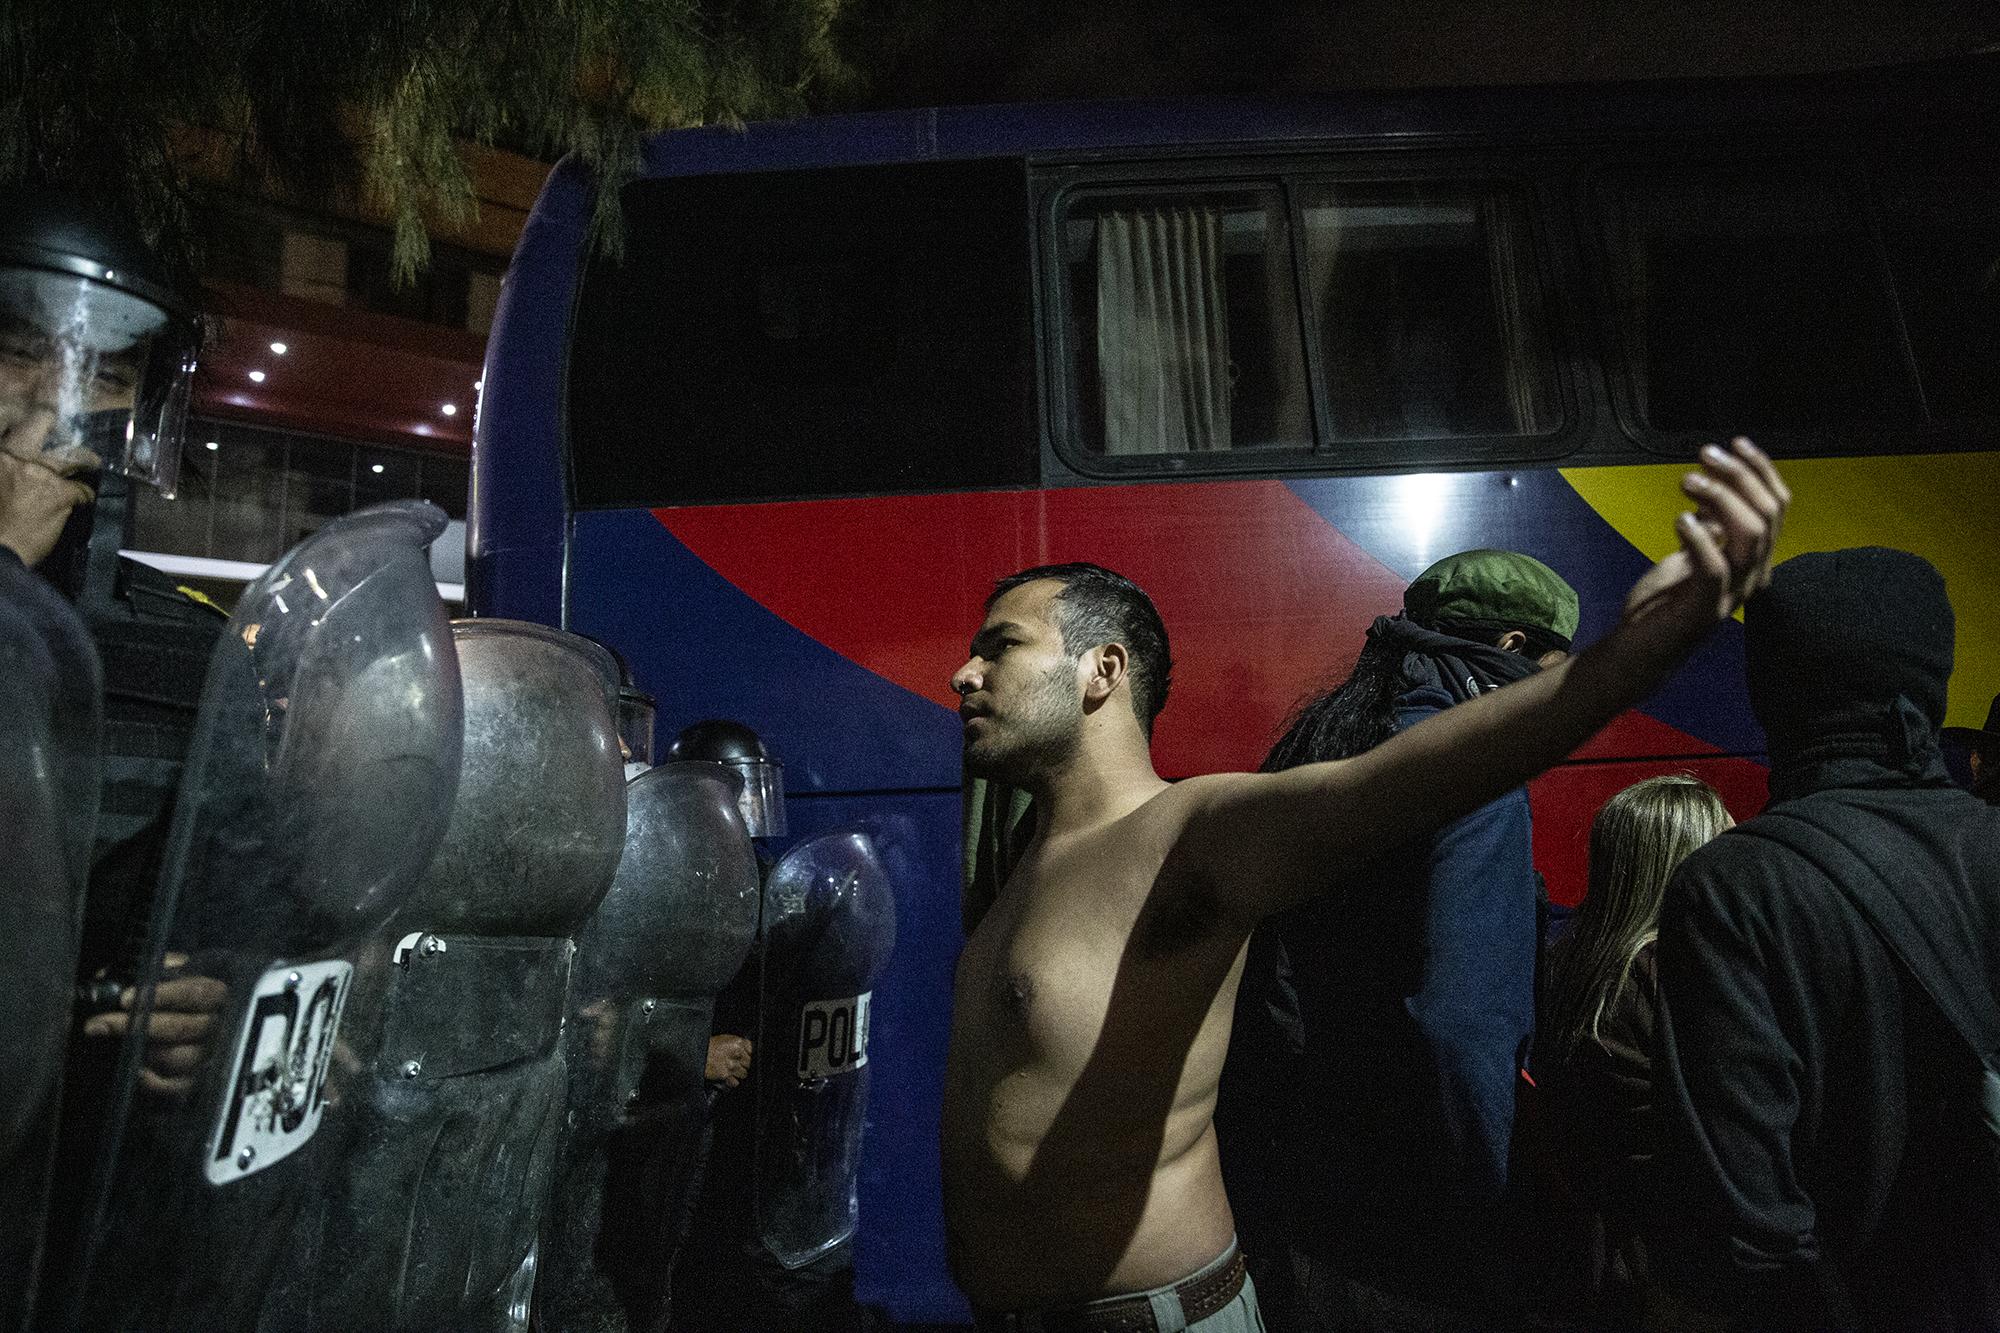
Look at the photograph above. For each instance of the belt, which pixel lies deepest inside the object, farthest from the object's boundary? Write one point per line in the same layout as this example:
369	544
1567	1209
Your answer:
1200	1296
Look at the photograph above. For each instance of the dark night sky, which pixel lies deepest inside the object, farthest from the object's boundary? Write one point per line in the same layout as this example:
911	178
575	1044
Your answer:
946	51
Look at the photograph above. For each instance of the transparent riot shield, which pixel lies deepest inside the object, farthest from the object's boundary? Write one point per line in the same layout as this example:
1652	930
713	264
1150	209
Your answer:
829	927
50	715
431	1218
317	787
676	925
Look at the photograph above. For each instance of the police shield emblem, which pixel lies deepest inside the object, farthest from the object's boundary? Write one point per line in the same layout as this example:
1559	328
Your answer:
833	1036
276	1091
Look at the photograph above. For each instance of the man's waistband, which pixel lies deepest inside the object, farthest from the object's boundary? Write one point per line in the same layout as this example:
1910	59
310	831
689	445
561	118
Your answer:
1198	1296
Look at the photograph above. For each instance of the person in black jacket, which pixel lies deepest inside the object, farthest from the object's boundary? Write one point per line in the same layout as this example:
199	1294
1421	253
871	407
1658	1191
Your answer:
98	343
97	349
1823	1161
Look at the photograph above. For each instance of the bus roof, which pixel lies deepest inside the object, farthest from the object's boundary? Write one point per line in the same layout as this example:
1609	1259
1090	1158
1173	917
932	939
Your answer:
1884	95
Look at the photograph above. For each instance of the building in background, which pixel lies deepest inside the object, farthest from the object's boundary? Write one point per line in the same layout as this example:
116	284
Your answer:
328	387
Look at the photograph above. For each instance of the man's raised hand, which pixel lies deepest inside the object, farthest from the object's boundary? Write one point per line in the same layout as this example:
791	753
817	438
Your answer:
1726	544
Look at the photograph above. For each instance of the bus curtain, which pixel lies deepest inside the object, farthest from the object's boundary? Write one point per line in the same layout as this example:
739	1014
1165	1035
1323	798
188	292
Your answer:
1506	249
1162	331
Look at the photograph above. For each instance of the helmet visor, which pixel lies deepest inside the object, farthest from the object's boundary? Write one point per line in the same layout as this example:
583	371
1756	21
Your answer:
636	711
92	378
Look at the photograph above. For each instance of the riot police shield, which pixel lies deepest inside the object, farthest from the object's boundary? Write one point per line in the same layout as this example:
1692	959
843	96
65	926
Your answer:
50	697
676	925
829	927
317	786
432	1219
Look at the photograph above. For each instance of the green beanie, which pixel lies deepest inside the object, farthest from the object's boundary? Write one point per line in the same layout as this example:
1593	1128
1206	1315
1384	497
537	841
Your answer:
1497	590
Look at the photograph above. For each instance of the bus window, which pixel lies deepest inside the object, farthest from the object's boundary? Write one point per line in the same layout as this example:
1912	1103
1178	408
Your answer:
1428	312
1943	238
791	334
1184	331
1752	301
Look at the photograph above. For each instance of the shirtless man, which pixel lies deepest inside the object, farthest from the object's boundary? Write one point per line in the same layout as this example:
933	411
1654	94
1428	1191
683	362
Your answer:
1093	1000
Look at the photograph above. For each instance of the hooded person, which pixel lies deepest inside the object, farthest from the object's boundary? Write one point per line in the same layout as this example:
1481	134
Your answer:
1368	1097
1827	972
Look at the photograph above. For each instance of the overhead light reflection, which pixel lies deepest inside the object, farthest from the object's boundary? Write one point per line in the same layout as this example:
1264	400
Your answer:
256	377
1420	501
278	348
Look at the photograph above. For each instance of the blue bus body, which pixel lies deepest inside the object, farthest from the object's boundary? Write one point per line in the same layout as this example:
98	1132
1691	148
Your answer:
829	617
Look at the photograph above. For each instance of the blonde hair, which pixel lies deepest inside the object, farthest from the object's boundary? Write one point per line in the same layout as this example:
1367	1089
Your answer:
1637	839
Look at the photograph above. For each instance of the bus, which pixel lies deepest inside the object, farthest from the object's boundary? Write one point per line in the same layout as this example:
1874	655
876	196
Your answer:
1270	358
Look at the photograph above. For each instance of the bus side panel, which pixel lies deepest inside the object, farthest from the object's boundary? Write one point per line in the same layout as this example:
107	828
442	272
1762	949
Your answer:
514	536
1565	800
1410	521
703	648
1267	588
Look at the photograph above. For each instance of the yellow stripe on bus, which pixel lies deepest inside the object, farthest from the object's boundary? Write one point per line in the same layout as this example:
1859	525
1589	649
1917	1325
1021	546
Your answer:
1945	507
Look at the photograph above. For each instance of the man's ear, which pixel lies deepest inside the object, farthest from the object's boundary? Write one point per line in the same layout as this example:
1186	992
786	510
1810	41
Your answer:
1513	641
1107	665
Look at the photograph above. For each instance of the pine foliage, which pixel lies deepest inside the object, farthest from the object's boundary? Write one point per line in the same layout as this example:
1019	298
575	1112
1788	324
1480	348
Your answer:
319	96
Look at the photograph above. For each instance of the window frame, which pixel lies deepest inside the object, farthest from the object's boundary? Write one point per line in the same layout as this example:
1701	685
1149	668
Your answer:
1852	170
1062	183
1071	399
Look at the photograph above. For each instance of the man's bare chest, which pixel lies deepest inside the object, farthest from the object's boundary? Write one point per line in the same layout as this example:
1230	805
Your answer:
1036	975
1065	936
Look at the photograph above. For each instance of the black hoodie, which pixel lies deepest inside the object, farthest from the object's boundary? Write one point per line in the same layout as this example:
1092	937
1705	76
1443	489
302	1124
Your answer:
1820	1168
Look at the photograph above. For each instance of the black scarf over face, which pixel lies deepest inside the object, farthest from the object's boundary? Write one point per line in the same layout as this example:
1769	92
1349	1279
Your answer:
1461	668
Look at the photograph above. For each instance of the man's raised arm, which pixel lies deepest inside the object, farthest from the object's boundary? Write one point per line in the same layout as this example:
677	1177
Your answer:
1265	841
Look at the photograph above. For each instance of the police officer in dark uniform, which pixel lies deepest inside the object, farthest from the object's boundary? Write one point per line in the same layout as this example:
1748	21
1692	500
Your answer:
97	356
770	1245
153	635
51	701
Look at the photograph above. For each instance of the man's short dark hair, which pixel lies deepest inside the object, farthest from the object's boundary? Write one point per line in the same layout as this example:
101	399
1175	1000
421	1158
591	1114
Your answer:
1097	606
